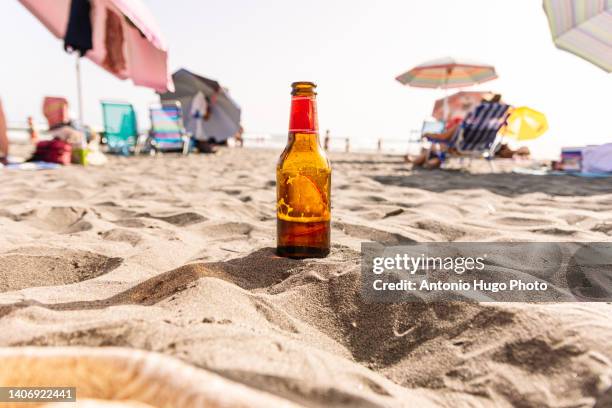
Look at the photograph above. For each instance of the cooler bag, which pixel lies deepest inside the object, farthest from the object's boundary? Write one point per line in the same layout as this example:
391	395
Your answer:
53	151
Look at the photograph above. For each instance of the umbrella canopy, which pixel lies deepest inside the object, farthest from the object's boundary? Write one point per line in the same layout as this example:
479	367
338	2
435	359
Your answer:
583	28
447	73
126	40
224	119
525	124
458	104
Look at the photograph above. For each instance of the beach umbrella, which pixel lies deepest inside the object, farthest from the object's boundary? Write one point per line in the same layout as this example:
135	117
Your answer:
458	104
583	28
525	124
224	119
447	73
120	36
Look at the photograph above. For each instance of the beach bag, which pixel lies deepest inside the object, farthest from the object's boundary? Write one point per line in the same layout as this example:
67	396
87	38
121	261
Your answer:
53	151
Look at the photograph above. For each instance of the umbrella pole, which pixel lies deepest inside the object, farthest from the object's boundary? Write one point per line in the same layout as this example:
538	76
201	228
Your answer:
79	89
445	104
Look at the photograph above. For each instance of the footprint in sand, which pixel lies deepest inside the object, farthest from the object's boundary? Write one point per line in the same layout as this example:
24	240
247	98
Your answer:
131	223
371	234
45	266
122	235
560	232
605	227
537	355
523	221
226	229
180	219
273	315
62	220
445	229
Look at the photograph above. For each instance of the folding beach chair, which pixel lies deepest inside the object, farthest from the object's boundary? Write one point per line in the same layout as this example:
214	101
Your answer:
432	126
120	127
477	136
167	130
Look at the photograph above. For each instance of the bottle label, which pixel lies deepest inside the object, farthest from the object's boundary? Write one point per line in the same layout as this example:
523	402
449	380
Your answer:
303	117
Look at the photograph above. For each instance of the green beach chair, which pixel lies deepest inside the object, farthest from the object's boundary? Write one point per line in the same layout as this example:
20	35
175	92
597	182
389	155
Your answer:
120	127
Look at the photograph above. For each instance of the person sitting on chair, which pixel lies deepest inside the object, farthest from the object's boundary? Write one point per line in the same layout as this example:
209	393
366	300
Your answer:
428	158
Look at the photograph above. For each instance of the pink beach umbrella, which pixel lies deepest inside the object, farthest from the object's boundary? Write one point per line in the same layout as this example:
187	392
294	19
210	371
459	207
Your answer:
458	104
125	39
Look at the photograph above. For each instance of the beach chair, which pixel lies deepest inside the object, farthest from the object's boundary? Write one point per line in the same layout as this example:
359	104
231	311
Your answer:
167	130
120	127
477	136
432	126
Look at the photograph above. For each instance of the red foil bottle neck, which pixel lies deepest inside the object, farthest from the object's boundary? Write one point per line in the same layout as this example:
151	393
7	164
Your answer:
303	118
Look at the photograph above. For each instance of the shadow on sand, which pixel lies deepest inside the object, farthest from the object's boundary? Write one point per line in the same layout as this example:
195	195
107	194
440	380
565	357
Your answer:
164	285
506	184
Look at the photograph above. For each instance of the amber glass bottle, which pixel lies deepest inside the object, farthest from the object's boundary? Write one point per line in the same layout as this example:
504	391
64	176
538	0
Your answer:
303	182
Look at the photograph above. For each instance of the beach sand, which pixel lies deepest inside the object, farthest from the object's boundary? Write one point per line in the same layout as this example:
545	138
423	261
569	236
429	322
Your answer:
175	255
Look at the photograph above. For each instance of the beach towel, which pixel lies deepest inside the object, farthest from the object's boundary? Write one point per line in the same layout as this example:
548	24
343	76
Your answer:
114	60
38	165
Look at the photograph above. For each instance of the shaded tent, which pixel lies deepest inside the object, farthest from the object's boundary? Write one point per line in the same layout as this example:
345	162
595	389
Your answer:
224	119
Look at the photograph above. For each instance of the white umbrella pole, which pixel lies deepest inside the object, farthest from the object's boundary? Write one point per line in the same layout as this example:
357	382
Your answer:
445	104
79	89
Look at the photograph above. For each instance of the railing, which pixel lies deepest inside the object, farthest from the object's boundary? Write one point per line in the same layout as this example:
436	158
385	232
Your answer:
270	140
342	144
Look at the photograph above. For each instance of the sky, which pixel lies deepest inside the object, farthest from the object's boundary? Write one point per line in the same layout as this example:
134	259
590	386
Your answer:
352	50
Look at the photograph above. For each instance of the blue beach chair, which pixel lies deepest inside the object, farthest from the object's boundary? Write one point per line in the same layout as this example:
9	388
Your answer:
477	136
432	126
120	127
167	130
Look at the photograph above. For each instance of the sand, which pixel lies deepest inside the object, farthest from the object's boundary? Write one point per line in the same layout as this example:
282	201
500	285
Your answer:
175	256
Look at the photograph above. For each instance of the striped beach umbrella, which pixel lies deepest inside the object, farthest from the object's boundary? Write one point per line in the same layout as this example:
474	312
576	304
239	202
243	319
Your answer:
459	104
583	27
447	73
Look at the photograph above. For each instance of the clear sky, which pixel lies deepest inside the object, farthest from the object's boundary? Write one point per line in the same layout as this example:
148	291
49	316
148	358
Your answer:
352	49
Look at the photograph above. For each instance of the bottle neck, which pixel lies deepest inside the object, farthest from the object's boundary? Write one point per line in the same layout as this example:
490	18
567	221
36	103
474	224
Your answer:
303	117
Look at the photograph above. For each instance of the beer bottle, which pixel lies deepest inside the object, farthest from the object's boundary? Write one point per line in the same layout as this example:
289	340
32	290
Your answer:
303	182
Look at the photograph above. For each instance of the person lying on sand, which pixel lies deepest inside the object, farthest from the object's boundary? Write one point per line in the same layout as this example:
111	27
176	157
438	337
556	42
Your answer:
4	144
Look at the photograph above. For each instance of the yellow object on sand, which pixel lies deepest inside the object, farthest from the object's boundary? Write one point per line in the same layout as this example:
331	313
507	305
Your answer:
525	124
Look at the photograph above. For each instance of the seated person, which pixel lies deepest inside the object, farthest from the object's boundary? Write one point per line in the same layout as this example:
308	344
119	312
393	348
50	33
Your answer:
55	110
430	159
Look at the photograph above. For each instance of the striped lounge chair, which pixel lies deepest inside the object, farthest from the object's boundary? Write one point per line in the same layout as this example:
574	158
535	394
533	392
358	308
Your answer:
477	134
167	130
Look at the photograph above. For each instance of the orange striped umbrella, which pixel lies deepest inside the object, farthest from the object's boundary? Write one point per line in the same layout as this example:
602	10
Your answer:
447	73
